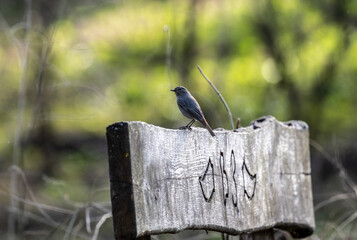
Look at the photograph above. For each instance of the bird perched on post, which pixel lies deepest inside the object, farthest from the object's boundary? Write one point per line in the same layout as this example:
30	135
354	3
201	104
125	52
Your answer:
190	108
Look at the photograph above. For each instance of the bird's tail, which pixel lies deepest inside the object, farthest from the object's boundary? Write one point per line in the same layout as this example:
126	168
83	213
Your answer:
207	126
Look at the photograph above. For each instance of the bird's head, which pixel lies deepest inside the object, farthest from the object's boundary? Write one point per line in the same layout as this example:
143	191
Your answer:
179	91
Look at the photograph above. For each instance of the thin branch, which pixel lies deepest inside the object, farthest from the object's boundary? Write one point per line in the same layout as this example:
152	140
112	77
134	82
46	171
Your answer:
71	224
100	223
333	199
11	36
76	230
336	162
98	206
87	216
219	95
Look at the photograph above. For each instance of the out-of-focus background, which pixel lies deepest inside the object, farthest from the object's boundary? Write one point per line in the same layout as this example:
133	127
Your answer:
70	68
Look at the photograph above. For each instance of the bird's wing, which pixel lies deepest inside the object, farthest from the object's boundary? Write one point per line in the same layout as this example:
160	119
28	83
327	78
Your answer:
192	110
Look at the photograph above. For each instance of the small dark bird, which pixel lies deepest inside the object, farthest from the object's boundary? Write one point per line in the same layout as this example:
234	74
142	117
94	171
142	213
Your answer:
190	108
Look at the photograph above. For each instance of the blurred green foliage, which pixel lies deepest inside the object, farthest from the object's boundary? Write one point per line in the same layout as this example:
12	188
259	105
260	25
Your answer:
93	63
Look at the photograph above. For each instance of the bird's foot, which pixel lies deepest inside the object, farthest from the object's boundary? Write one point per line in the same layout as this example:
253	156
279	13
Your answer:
185	128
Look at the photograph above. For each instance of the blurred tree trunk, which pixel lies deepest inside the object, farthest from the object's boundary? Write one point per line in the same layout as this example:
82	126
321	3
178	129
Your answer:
298	102
268	32
37	98
188	49
335	12
41	133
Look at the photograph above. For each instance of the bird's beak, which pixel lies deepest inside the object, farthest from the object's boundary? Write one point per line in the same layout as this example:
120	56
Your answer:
172	90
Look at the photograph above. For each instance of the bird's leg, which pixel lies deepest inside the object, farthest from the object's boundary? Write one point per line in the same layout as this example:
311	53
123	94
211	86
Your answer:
188	126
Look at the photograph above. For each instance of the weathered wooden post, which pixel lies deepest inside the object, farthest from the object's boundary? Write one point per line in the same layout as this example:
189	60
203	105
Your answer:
251	180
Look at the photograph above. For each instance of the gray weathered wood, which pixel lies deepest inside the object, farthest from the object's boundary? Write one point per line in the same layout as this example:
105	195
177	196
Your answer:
254	179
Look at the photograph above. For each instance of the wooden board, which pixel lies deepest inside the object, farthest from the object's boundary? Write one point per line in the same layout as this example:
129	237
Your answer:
166	180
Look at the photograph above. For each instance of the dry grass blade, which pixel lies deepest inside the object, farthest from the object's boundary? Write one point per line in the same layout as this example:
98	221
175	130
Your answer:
219	95
44	221
339	229
333	199
32	195
350	219
39	205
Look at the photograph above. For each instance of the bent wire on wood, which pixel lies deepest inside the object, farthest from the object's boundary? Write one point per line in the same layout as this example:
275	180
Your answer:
165	180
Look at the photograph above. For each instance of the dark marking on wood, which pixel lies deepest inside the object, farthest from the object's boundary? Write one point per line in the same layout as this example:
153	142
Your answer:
202	179
123	207
225	183
252	177
235	190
